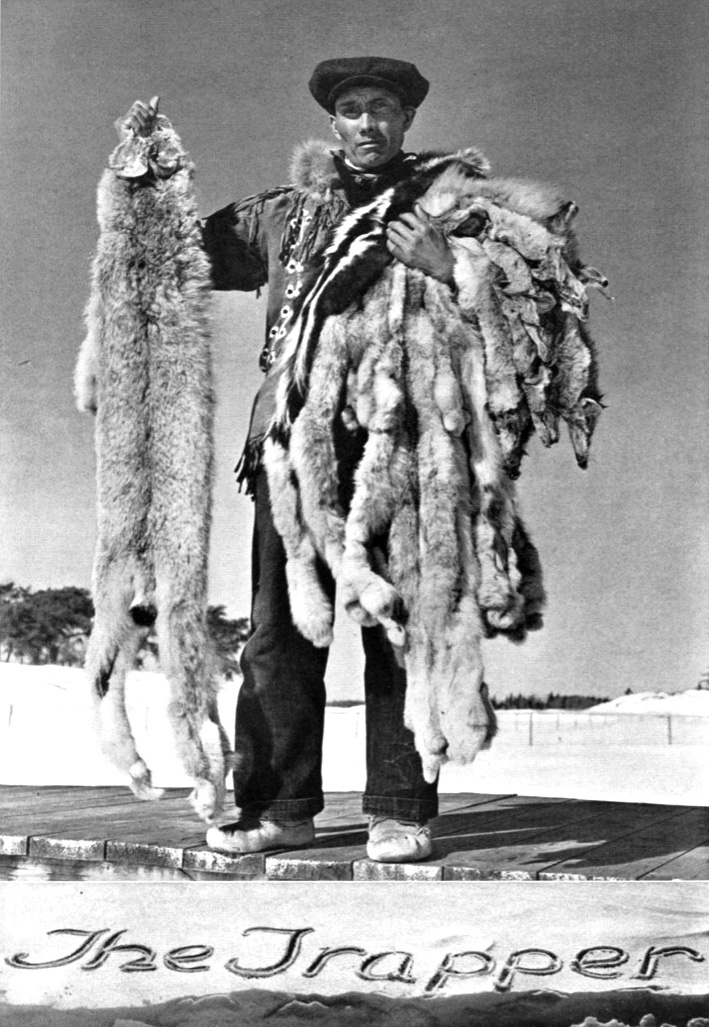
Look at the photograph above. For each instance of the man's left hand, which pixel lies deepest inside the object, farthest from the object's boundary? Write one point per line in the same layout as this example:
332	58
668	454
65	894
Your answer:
417	243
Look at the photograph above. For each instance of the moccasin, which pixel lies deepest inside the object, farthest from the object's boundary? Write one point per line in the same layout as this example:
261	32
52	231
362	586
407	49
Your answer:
244	836
398	841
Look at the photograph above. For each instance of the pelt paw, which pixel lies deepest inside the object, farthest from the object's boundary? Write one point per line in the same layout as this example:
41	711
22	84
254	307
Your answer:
141	783
318	632
204	800
379	598
396	633
431	764
312	614
359	615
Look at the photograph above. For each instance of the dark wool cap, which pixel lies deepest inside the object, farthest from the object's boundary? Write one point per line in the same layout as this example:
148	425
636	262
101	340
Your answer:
332	78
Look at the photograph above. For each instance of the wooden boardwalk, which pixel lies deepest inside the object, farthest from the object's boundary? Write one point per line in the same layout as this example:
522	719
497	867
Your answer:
63	833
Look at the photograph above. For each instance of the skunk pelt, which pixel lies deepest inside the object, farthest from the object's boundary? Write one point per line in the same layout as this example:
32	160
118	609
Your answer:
448	385
145	370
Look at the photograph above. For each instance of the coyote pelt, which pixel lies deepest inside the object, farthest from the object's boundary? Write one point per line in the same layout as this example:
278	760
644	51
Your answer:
448	386
145	370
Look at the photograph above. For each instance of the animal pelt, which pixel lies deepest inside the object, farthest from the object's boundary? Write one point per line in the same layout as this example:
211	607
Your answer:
145	370
448	386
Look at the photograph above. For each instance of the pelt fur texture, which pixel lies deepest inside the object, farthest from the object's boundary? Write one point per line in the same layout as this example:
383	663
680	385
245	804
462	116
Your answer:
447	388
145	370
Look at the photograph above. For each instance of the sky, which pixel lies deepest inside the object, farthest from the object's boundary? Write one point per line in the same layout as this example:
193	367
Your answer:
606	99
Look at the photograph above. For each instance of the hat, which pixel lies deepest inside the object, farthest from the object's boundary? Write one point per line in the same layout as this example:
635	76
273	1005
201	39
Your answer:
332	78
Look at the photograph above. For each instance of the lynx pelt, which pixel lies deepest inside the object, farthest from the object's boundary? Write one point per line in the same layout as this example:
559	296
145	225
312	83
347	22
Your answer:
145	370
447	385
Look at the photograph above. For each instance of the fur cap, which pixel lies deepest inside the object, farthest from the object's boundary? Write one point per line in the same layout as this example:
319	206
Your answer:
333	77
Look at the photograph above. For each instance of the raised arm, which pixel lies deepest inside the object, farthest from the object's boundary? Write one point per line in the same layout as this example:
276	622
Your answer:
148	164
140	119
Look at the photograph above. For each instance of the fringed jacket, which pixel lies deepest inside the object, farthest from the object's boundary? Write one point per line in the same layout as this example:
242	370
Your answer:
276	239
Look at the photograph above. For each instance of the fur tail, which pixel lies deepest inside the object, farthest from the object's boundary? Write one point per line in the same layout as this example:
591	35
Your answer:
200	740
115	640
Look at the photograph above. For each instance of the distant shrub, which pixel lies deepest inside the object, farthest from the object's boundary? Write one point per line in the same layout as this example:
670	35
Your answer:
53	625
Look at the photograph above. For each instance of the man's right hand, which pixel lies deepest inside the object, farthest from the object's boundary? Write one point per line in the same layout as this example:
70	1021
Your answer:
140	119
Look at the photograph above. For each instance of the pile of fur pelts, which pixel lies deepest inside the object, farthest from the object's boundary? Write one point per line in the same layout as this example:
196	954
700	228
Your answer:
145	370
446	385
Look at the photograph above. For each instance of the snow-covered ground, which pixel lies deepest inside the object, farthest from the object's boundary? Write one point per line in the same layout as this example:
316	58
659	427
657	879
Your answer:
649	748
692	703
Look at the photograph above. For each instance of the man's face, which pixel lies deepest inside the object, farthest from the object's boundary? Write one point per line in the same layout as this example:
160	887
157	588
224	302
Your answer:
371	124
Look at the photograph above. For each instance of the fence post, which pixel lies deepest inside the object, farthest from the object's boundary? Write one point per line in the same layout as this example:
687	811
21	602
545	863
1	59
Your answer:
669	729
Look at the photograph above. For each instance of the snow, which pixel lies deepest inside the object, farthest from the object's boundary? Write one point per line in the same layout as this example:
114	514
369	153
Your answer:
493	917
646	747
692	703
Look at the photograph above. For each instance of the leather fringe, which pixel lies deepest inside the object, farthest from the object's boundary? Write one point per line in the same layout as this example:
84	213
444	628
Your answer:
248	466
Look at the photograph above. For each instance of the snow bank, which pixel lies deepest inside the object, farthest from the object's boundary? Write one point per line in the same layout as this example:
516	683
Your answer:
47	731
646	748
692	703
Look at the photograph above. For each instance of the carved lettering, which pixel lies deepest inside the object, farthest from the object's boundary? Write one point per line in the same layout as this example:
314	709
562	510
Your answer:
20	961
183	959
93	949
327	954
402	971
448	969
291	953
649	962
602	966
144	961
515	964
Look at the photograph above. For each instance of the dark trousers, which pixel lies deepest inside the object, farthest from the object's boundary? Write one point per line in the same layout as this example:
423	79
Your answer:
280	711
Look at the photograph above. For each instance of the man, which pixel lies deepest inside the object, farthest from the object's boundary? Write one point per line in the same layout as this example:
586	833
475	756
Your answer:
275	238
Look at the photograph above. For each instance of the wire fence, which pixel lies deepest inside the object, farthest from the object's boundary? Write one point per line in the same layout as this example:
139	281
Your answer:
552	727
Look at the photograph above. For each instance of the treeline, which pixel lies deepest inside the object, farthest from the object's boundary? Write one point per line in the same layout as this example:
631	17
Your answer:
521	702
550	702
53	625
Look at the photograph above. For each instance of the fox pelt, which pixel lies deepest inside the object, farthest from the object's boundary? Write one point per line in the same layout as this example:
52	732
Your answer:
145	370
447	386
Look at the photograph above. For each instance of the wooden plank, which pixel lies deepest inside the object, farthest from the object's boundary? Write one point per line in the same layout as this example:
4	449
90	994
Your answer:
14	844
529	845
29	809
29	790
201	863
504	847
180	830
84	811
339	841
307	868
153	855
341	847
639	851
38	820
67	848
16	806
692	865
344	809
365	870
344	850
475	836
171	820
517	807
505	815
22	810
16	868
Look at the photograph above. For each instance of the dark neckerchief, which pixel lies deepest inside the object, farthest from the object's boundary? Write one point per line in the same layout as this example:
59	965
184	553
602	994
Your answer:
362	186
